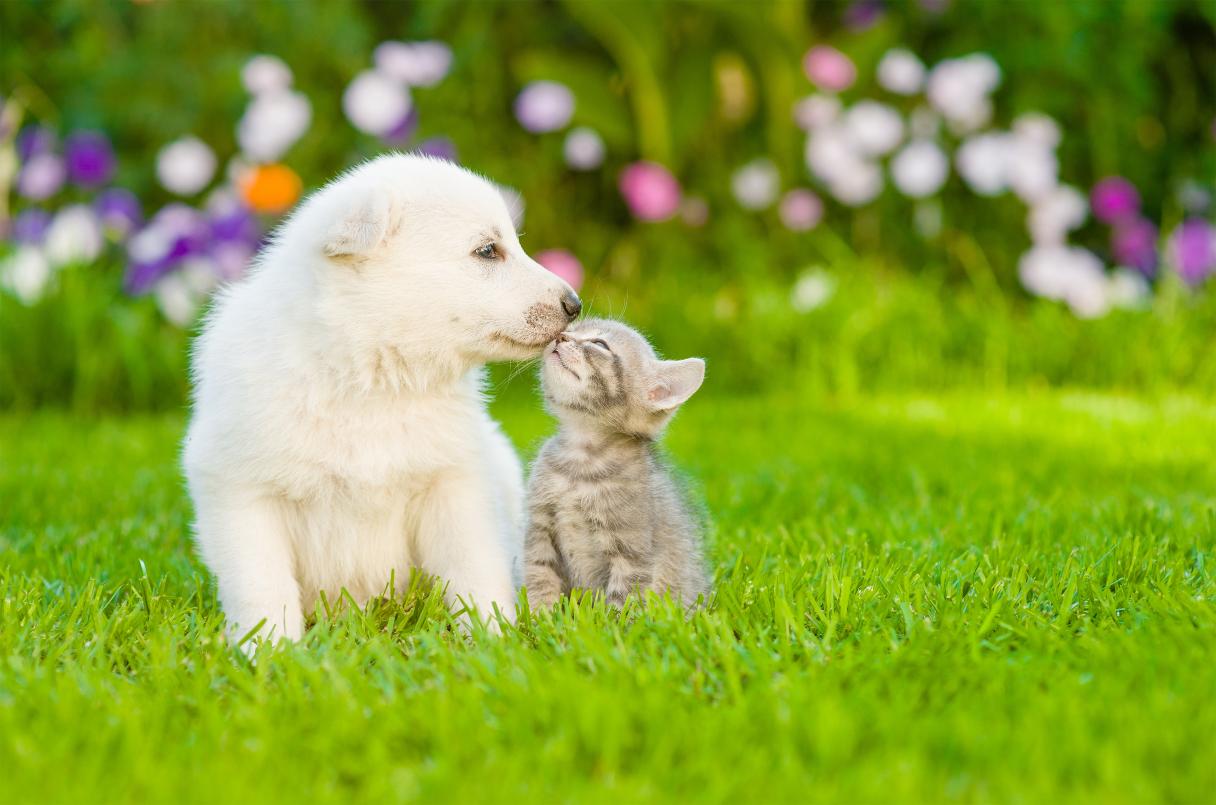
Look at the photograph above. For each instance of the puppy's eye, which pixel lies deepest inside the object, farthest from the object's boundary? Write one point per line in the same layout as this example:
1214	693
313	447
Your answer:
601	343
487	252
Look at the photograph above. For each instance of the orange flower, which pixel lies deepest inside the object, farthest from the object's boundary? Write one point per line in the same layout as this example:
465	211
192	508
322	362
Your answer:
271	188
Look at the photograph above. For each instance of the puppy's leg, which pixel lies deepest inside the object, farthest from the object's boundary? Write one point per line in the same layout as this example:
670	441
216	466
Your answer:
507	474
460	539
246	546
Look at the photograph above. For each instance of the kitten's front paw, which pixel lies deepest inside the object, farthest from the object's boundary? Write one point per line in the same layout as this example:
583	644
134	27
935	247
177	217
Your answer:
539	600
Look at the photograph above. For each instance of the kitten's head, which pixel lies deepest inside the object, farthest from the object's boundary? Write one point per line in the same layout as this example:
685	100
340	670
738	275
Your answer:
603	374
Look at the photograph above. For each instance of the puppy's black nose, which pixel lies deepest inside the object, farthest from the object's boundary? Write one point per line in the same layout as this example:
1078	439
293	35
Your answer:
572	305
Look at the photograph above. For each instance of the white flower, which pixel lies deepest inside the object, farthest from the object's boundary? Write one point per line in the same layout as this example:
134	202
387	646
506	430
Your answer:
26	273
812	290
875	127
265	73
828	150
981	161
756	184
1128	289
1069	274
180	294
185	166
857	185
832	158
583	149
1030	168
901	72
375	103
544	106
1038	128
74	236
41	177
815	111
1056	214
418	64
959	89
150	244
920	169
272	123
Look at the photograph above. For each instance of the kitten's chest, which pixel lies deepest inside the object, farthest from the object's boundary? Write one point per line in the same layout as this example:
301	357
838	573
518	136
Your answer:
597	518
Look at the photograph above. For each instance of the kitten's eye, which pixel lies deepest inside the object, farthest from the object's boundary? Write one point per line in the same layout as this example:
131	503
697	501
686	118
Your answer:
601	343
487	252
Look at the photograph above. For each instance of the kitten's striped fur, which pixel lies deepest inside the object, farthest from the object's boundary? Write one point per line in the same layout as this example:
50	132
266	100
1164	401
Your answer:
605	513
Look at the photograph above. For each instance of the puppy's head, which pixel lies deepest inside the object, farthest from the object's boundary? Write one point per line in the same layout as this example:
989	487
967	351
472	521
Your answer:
422	254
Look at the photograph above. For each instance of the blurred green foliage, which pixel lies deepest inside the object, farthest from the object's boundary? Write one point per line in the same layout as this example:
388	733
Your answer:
86	348
1132	82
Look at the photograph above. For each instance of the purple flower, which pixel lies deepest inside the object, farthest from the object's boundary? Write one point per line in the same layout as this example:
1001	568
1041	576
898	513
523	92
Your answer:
238	226
404	130
229	220
438	147
1192	250
29	227
864	14
650	190
34	141
231	259
544	106
1134	244
1114	199
119	210
173	234
90	158
41	177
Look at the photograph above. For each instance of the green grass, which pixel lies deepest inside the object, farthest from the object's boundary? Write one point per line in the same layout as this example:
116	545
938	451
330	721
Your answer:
918	599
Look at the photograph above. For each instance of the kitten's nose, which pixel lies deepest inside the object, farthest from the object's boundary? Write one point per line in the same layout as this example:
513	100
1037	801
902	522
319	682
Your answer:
571	305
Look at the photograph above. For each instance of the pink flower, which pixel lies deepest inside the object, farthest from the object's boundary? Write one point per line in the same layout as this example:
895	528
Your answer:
1134	244
800	210
828	68
1114	199
650	190
1192	250
563	264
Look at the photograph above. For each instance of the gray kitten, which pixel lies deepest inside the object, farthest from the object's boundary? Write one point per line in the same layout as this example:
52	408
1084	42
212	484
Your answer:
605	513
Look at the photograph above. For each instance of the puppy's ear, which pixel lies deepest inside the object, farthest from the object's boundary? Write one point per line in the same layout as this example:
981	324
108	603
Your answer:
674	382
363	228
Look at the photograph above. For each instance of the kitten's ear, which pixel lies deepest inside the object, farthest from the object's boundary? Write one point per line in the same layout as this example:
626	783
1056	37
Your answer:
674	382
363	228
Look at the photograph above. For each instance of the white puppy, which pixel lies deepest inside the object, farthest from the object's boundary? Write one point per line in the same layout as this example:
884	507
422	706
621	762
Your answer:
339	434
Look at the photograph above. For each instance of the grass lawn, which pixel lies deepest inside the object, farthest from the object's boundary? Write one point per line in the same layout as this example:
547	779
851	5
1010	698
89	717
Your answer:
948	597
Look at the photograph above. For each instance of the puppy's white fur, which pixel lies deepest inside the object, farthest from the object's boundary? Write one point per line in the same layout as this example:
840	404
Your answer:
339	434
